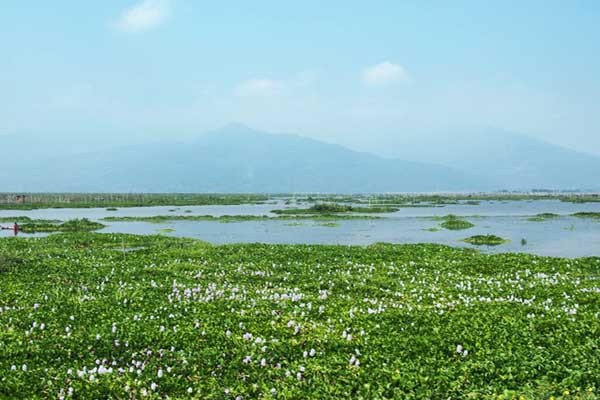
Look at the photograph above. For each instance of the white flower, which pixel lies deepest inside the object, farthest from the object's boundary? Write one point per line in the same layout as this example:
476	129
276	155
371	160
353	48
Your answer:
190	390
92	378
459	349
24	367
228	333
13	367
312	352
273	391
153	386
160	373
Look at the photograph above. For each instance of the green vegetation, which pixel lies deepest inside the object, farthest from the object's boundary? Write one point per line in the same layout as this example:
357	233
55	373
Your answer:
594	215
487	240
112	200
330	224
112	209
23	219
543	217
234	218
184	319
12	201
334	208
166	230
454	223
74	225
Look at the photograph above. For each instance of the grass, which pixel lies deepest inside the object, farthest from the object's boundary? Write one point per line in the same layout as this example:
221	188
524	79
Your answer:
454	223
181	319
487	240
112	209
166	230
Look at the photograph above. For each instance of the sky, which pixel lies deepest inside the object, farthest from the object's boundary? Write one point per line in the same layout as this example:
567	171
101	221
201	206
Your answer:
351	72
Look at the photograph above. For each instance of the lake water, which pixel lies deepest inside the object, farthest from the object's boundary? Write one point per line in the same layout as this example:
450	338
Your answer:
562	237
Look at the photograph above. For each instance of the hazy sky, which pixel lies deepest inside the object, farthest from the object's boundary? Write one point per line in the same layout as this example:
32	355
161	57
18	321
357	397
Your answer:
343	71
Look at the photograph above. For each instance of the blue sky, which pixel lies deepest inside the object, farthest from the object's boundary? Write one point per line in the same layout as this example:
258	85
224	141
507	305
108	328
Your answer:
351	72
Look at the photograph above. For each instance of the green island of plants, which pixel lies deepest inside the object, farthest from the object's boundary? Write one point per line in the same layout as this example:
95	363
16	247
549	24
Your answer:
74	225
486	240
454	223
543	217
179	318
235	218
588	214
334	208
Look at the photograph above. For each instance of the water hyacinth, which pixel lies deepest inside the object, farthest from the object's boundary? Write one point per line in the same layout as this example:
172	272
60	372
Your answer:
187	320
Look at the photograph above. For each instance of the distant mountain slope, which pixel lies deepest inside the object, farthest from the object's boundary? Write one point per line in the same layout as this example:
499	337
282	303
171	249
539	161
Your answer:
507	160
235	159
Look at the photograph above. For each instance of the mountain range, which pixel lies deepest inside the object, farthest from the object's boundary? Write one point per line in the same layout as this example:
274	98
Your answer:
239	159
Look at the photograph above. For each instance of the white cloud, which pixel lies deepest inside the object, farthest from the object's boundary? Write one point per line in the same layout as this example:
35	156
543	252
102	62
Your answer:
385	73
259	87
145	15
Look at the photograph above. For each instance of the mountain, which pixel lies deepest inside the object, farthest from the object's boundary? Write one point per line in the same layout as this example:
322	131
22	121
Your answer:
235	159
507	160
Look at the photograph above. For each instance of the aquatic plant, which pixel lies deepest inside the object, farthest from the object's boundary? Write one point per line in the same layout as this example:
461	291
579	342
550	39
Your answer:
334	208
452	222
543	217
75	225
487	240
83	319
236	218
588	214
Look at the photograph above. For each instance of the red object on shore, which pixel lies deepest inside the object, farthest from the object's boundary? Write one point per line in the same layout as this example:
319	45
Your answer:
16	228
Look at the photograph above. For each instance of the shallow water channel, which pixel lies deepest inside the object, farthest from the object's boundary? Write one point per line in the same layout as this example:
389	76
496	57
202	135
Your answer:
565	236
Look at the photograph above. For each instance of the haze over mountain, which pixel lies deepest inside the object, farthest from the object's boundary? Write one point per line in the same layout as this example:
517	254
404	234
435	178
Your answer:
238	159
234	159
506	159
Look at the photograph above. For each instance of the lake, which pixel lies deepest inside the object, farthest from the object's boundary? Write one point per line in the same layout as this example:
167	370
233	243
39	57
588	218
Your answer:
565	236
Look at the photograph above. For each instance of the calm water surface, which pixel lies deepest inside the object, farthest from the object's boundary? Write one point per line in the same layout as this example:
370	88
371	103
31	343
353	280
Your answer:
562	237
